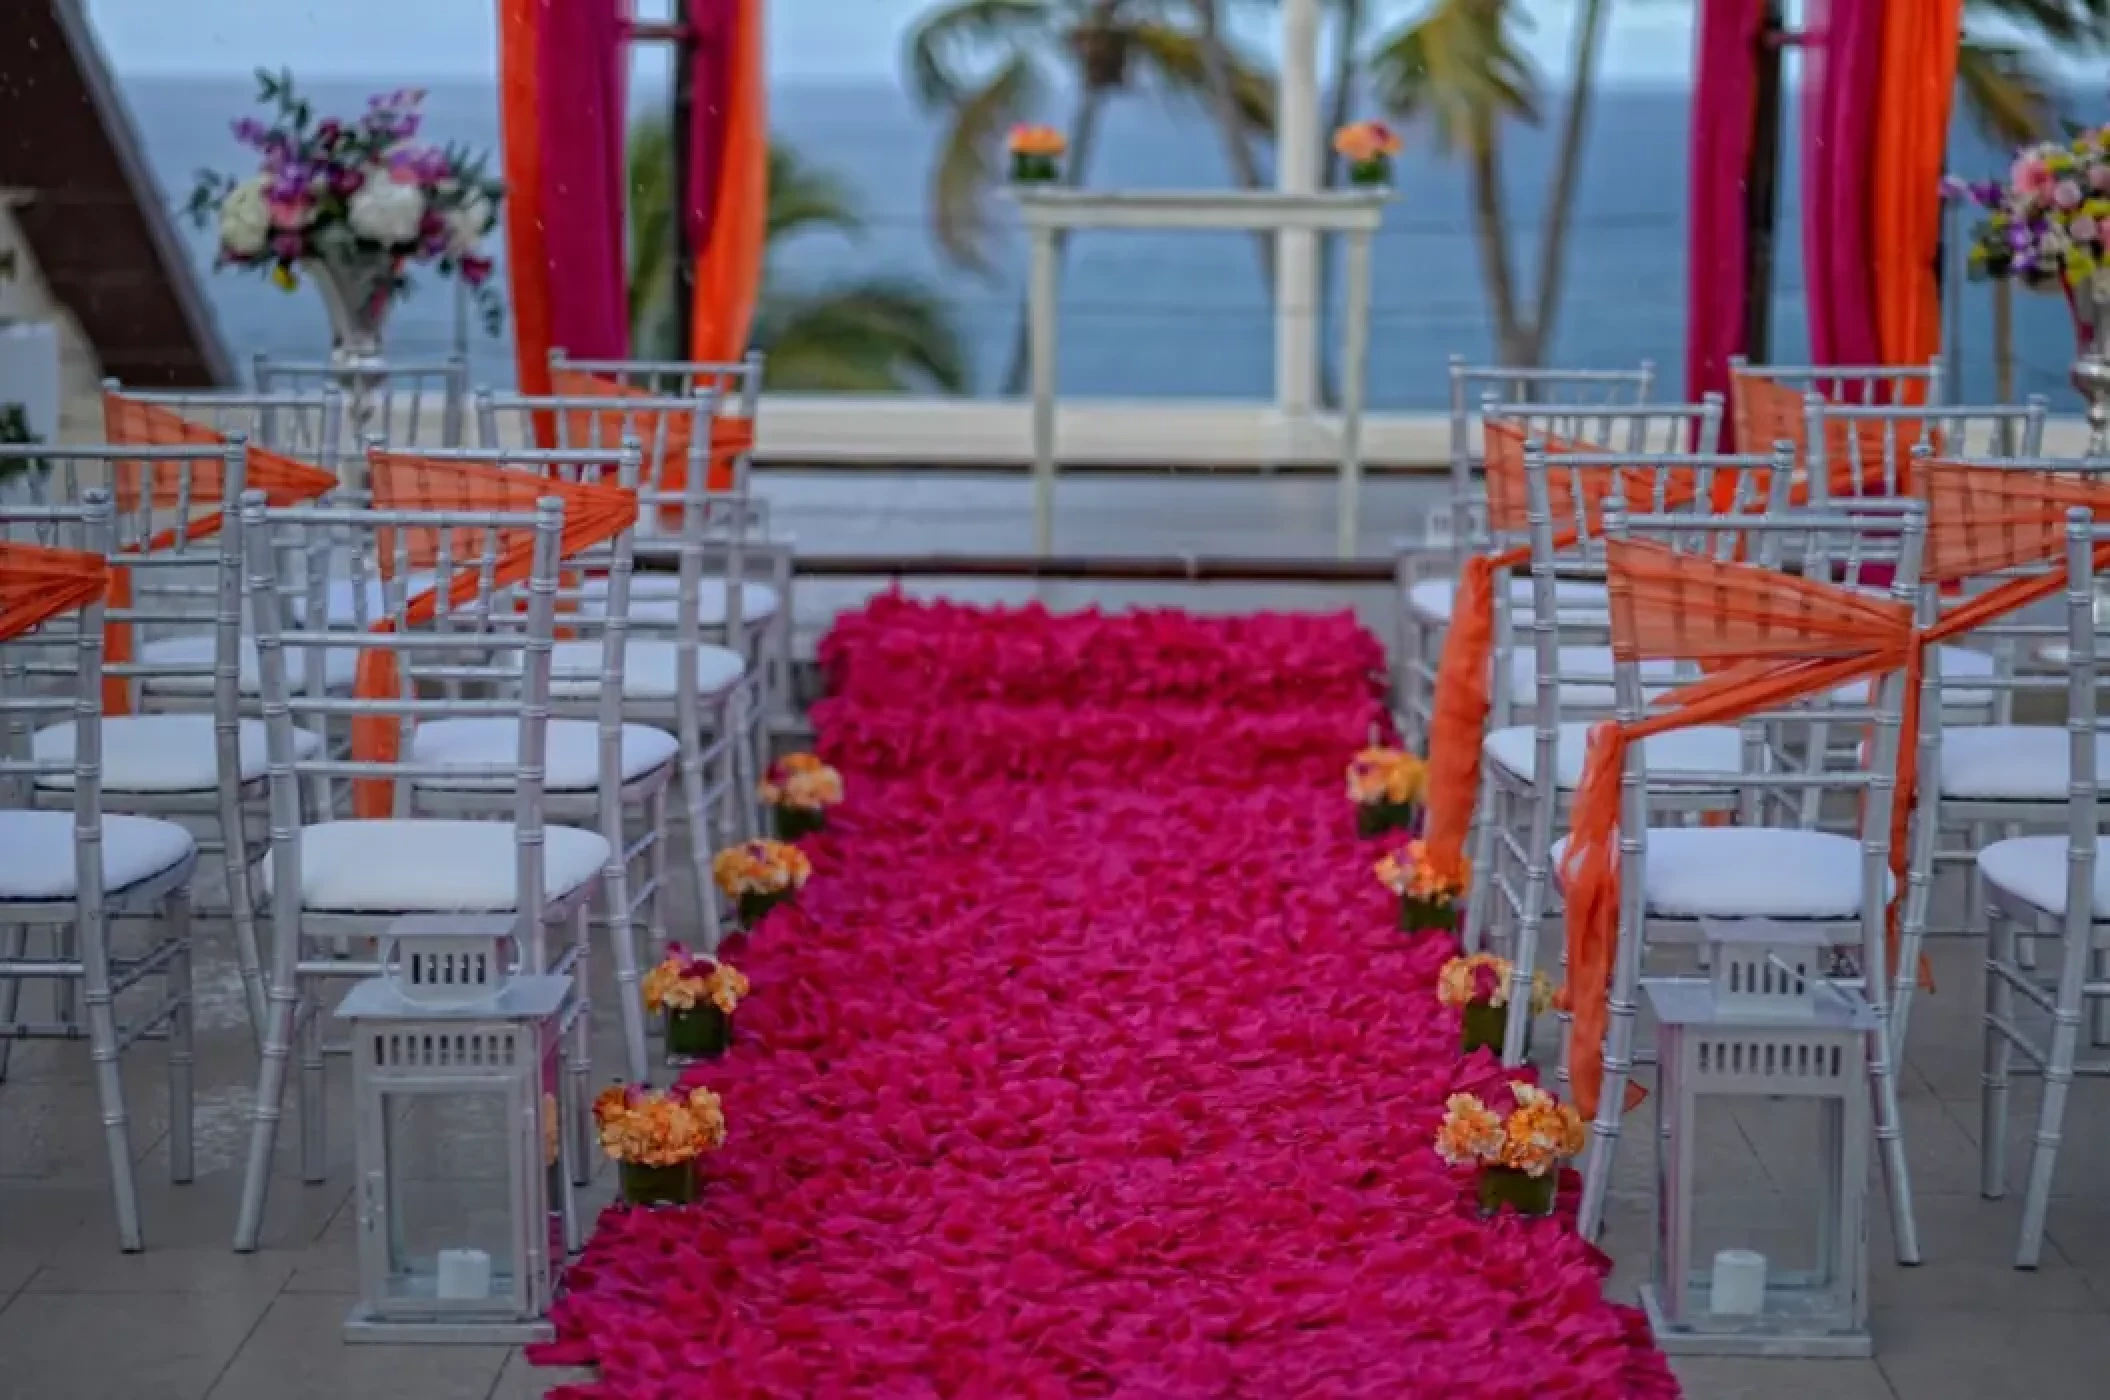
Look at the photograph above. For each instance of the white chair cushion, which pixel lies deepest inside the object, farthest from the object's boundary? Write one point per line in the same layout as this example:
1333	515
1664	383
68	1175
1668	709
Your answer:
1433	599
653	597
36	853
1708	749
2033	869
649	669
1730	872
573	758
2012	762
1586	677
428	866
161	753
339	666
1957	664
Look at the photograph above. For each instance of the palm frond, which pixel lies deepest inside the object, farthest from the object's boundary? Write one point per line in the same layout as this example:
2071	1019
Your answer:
876	335
1178	59
804	197
1458	64
2065	23
970	156
950	51
2004	92
649	180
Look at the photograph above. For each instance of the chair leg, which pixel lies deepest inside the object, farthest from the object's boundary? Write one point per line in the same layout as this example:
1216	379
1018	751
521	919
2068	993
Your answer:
282	1005
241	902
2076	955
581	1066
658	834
1618	1064
1998	1054
1524	954
314	1110
182	1053
1480	894
1883	1088
101	1011
702	822
14	942
622	943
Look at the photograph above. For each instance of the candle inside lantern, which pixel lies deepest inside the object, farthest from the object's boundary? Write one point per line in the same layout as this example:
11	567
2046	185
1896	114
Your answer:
464	1274
1739	1287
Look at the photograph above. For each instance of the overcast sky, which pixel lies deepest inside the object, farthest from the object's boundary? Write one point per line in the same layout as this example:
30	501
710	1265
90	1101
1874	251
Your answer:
808	38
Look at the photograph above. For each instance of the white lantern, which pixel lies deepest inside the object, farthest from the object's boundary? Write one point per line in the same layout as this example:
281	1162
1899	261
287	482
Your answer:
1766	1025
463	1191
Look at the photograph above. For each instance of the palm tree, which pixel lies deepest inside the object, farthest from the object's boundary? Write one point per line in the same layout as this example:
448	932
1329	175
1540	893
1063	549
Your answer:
1458	62
986	64
868	335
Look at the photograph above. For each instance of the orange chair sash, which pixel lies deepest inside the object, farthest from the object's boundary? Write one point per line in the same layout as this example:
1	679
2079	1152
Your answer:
39	584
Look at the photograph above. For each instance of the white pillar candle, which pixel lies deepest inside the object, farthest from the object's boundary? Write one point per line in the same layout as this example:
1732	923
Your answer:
464	1274
1739	1288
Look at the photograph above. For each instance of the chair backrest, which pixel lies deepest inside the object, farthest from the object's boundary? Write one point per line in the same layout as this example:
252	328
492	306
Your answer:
2086	534
1868	449
503	658
1650	430
736	384
1847	384
407	402
309	426
1472	386
671	433
51	629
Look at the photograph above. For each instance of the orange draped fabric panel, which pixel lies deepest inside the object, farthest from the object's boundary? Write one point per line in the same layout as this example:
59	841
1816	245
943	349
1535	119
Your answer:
593	515
39	584
729	267
138	485
527	246
1920	43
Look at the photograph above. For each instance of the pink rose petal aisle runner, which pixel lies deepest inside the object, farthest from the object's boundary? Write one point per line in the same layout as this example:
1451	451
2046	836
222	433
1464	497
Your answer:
1092	1062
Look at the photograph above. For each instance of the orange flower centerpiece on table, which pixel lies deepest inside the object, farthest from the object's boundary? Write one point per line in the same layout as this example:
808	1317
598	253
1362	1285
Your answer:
1386	786
1428	898
1036	154
1479	986
759	875
1368	147
1518	1153
698	995
799	789
654	1137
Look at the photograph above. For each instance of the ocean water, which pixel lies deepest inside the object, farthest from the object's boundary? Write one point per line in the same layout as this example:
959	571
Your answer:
1145	314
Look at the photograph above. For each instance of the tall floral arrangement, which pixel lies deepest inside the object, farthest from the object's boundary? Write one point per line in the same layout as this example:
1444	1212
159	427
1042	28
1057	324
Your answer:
2047	225
353	202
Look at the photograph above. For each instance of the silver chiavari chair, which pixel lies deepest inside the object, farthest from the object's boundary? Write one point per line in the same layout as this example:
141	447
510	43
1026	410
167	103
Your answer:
1846	384
80	868
1519	806
408	403
1672	879
1571	404
348	880
601	772
2056	887
766	602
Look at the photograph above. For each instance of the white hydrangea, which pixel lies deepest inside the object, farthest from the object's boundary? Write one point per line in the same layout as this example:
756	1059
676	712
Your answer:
386	212
245	219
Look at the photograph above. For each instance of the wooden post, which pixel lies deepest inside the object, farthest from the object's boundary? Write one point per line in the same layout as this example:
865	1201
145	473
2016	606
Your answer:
1762	186
680	37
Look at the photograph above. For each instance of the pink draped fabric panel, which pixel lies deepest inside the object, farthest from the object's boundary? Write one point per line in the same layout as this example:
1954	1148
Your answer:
1724	117
580	64
1842	54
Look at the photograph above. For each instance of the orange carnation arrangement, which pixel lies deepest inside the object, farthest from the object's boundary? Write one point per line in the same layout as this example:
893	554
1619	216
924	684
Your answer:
759	875
1519	1153
655	1136
1428	898
1368	147
800	789
698	994
1478	985
1386	786
1036	153
550	1129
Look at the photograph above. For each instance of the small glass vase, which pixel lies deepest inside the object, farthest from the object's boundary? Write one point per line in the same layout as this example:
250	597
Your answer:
1526	1195
755	907
1377	818
644	1185
794	822
1029	169
1428	916
700	1033
1483	1027
1374	173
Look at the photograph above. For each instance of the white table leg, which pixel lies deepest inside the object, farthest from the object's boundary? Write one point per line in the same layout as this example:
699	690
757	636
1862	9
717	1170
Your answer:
1355	354
1040	313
